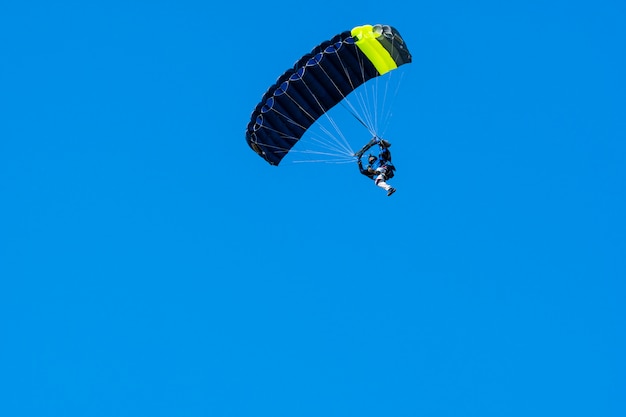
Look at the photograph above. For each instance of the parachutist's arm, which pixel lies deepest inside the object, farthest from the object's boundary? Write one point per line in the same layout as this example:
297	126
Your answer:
360	164
364	149
384	144
368	172
385	154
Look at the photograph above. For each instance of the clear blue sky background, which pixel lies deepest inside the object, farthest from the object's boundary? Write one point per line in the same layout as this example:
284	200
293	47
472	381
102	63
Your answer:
152	265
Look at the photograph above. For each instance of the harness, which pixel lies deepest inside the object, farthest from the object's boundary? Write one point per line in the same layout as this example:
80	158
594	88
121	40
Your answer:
387	170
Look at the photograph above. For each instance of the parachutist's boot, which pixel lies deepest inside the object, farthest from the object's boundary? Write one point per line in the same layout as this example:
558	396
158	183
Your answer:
391	191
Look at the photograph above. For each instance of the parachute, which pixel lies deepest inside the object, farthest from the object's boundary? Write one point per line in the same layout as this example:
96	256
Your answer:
317	82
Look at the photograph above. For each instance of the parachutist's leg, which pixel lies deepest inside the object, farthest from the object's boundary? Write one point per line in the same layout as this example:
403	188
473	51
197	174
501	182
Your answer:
380	181
382	184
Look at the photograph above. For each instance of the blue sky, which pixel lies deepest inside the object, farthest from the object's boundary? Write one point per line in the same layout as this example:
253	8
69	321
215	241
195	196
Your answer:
152	264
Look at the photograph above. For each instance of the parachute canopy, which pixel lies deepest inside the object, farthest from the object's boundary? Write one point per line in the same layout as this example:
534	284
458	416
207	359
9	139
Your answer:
317	82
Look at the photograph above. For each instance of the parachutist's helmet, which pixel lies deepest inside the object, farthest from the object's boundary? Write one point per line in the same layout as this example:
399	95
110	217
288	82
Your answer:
371	158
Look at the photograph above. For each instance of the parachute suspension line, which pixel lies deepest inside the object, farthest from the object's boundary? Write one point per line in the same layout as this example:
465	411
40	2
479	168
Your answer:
375	89
336	157
363	98
340	146
340	149
360	92
283	135
335	148
386	112
343	142
359	115
336	151
393	79
377	111
375	100
350	109
346	103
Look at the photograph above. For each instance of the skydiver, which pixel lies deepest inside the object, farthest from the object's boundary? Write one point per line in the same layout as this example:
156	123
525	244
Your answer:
379	168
